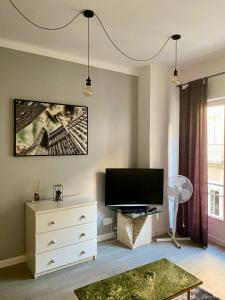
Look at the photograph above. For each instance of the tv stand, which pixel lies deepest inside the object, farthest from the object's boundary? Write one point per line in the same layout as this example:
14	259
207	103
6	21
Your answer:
133	209
134	229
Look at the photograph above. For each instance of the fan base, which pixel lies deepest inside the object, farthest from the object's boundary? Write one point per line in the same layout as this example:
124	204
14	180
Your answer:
173	239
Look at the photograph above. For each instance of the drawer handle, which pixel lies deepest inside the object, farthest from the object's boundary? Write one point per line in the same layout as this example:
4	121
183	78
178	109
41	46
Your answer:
51	261
83	217
82	252
52	223
52	242
82	234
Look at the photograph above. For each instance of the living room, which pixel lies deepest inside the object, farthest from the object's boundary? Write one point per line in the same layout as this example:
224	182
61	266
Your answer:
137	114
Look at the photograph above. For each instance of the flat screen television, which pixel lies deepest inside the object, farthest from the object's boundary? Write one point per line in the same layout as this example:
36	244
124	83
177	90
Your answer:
134	187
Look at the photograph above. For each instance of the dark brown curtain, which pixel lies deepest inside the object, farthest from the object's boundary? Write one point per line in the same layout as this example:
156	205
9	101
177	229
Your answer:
192	217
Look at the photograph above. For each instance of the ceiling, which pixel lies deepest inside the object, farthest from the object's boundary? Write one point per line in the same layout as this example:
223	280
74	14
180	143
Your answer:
139	27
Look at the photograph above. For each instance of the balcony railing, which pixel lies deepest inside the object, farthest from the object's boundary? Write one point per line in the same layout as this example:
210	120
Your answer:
215	200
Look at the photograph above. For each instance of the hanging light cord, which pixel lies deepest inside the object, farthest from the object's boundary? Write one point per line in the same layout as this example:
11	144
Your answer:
88	47
123	53
176	54
42	27
104	29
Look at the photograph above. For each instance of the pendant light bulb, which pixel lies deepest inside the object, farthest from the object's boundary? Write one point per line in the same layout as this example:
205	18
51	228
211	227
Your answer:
175	78
88	91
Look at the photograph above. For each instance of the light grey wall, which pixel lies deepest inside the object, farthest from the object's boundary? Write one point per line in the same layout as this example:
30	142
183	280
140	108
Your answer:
154	80
112	136
144	80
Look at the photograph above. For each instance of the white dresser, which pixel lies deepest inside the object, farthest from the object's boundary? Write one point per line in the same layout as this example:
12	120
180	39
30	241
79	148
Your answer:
60	234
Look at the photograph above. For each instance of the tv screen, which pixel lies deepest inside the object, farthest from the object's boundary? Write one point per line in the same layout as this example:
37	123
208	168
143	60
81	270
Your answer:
134	187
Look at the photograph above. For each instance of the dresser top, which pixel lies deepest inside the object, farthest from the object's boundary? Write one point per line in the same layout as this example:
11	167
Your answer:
68	202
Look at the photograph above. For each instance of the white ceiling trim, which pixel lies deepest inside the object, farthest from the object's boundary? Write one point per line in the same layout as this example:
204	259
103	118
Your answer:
15	45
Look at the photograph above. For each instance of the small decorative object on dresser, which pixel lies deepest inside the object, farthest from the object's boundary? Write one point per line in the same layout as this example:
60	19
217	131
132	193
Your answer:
60	234
58	192
36	196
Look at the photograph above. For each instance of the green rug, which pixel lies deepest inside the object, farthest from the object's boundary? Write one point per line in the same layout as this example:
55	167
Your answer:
156	281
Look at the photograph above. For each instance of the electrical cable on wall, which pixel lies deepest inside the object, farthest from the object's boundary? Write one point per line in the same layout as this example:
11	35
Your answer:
40	26
90	14
103	27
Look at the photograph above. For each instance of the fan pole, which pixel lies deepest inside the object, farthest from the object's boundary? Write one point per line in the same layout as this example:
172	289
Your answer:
176	204
172	235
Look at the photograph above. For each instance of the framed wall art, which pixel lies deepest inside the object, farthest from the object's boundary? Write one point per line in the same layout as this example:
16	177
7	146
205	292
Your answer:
50	129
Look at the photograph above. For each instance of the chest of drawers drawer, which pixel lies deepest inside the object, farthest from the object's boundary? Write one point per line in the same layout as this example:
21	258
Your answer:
66	255
63	237
60	234
65	218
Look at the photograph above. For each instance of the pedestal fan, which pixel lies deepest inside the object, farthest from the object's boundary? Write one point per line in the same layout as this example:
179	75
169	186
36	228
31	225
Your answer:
177	189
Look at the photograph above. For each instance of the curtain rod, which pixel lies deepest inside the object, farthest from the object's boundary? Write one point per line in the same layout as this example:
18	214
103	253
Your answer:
210	76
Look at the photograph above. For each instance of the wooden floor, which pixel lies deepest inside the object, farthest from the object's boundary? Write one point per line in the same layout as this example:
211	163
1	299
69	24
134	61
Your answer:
16	282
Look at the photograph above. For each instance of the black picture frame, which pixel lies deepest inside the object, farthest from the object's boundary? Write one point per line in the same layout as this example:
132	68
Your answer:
70	136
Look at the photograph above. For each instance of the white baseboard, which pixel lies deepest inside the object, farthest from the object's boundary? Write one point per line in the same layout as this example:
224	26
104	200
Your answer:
104	237
12	261
107	236
216	240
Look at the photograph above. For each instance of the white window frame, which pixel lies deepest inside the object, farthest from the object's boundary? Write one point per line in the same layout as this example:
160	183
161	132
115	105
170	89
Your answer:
217	102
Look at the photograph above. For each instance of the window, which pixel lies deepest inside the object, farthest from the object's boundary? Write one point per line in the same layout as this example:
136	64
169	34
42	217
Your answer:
216	160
